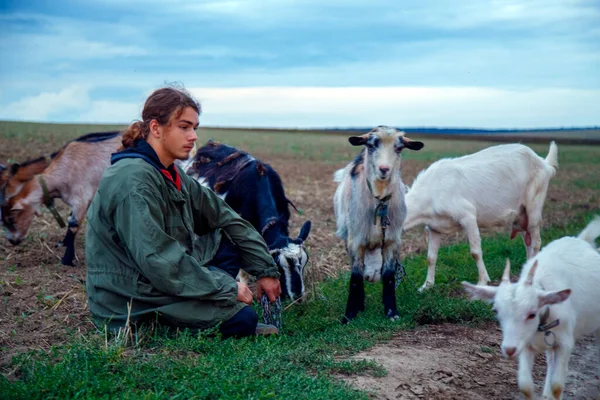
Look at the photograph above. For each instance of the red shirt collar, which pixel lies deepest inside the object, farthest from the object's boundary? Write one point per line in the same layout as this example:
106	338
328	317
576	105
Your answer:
176	181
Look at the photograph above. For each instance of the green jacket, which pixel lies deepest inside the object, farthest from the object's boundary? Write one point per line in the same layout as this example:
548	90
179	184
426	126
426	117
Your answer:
149	244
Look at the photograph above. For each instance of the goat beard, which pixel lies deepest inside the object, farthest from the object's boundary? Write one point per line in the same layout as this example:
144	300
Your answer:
380	188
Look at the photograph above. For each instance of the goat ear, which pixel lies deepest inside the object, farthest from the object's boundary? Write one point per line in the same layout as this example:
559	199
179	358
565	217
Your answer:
554	297
480	292
14	168
412	144
531	274
358	140
304	231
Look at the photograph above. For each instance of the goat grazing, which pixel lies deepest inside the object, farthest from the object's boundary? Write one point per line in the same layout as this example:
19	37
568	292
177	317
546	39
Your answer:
491	188
555	302
15	176
370	210
73	175
255	191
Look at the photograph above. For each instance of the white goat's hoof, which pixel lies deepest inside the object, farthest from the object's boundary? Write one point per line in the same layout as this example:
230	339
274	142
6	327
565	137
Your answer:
394	318
426	286
527	392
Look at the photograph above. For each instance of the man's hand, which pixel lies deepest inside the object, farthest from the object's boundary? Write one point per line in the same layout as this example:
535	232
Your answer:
244	293
270	286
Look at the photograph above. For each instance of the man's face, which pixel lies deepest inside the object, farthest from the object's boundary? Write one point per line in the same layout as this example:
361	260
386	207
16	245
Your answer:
179	136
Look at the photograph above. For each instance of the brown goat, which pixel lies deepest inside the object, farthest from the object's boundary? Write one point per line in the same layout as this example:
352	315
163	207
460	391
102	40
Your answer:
73	176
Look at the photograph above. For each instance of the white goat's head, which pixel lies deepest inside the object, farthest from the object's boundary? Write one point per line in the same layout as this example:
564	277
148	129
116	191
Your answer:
518	307
383	155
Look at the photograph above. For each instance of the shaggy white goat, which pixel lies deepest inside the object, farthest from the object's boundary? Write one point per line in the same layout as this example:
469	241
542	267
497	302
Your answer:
555	302
370	192
494	187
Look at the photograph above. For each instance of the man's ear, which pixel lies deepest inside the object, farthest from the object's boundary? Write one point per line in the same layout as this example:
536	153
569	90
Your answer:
154	126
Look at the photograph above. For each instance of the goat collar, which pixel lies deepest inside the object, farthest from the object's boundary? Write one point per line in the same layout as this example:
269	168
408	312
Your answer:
381	210
49	202
544	326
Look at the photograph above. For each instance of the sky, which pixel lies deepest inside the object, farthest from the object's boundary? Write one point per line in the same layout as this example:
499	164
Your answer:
306	63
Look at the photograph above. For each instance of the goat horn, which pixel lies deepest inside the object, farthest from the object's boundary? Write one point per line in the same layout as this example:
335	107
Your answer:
506	274
531	274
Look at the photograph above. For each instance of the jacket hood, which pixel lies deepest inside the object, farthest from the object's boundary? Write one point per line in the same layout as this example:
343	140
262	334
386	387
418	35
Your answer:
141	149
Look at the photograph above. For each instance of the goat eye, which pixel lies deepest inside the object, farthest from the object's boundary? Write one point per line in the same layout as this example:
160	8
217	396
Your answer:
495	310
530	316
373	143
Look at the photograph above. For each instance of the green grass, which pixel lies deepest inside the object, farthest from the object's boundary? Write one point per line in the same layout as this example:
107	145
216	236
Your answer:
300	363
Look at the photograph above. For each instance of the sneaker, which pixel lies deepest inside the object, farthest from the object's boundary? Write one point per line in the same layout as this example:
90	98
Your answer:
264	329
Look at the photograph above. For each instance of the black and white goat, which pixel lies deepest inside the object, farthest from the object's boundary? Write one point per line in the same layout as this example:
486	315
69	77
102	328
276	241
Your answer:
494	187
255	191
370	210
73	175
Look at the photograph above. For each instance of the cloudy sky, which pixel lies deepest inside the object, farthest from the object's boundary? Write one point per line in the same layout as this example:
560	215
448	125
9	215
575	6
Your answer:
306	63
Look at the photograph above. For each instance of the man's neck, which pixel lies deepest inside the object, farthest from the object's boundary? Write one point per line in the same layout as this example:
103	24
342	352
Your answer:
165	159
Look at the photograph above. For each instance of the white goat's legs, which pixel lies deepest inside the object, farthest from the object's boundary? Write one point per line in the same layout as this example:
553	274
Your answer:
470	226
536	242
525	378
556	374
550	367
432	253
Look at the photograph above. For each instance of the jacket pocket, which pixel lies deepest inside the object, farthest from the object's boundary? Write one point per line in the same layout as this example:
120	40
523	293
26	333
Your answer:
175	228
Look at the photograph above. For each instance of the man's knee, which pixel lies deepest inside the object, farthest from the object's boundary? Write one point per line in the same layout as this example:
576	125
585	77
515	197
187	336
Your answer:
241	324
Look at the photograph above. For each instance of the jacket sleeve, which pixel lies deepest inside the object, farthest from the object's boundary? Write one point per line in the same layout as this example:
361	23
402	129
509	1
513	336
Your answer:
139	223
212	212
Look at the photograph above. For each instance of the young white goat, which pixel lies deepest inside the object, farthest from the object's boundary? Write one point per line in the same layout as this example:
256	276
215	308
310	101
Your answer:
491	188
555	302
368	202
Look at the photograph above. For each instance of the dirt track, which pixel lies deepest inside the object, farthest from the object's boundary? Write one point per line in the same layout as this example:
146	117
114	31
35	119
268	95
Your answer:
457	362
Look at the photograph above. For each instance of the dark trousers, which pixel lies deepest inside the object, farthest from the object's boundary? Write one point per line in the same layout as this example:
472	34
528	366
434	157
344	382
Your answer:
244	322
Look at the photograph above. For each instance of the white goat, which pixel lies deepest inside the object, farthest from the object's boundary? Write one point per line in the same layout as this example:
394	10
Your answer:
491	188
549	309
368	202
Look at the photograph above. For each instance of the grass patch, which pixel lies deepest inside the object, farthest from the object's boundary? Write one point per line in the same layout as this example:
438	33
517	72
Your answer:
300	363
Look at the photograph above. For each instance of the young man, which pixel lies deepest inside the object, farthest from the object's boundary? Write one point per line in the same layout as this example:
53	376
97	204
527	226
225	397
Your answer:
161	242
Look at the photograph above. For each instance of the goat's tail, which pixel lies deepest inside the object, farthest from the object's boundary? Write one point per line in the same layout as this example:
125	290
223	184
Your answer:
591	231
552	157
338	175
